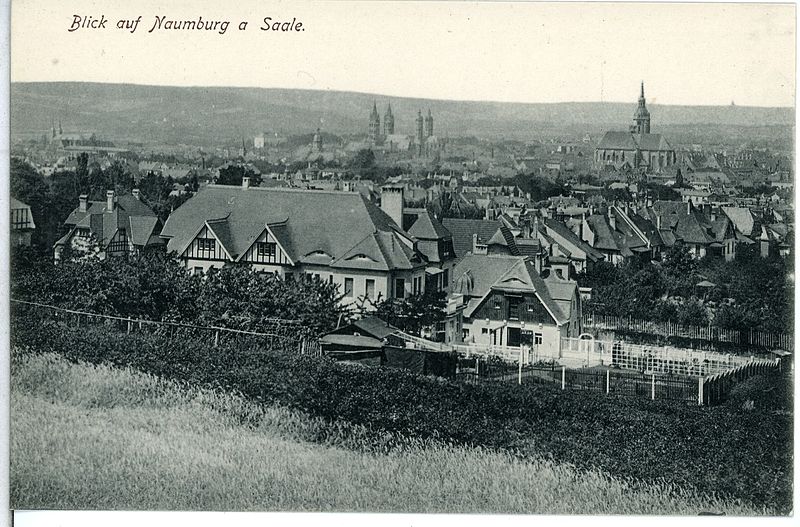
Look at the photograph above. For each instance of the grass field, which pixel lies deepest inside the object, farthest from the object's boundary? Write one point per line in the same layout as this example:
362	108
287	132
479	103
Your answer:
95	437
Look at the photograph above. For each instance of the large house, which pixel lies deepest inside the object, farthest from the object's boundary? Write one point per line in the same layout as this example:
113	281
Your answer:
120	225
337	237
22	224
506	302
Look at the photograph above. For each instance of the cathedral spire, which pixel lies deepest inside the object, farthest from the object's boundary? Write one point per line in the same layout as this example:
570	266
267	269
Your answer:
641	96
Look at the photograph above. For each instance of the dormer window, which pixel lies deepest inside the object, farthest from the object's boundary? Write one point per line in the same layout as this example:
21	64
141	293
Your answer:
207	245
267	249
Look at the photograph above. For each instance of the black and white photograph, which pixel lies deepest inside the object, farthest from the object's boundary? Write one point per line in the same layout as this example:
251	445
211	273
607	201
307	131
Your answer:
501	260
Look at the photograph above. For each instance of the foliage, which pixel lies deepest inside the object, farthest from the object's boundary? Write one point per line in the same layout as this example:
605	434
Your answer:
158	287
749	292
411	314
631	439
233	175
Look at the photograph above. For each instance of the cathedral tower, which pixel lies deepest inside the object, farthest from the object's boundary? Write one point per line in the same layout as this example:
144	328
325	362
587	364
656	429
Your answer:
388	121
429	124
374	124
420	133
642	116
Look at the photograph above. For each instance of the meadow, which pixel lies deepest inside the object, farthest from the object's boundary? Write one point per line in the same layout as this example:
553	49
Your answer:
89	436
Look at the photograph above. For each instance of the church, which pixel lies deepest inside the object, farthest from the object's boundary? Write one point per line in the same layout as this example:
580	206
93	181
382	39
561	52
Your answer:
637	148
424	143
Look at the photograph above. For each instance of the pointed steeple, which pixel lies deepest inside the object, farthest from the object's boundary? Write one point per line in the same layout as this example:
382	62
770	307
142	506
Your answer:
641	96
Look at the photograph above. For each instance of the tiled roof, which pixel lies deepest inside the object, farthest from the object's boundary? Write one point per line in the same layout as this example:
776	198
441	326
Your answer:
561	229
345	228
427	227
140	222
463	229
632	141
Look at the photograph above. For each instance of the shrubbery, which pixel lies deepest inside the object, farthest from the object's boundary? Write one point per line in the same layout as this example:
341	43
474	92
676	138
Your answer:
627	438
158	287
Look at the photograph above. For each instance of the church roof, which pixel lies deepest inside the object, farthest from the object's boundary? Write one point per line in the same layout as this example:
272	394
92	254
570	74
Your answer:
632	141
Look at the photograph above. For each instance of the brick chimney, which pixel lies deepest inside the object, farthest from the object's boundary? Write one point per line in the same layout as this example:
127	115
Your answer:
83	203
110	197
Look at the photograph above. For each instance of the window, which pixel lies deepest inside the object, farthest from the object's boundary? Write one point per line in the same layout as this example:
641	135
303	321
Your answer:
445	278
348	287
498	303
399	288
266	249
198	270
206	245
484	331
417	285
370	288
537	339
330	278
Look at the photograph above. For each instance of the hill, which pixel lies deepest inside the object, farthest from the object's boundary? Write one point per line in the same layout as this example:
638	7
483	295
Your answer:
210	115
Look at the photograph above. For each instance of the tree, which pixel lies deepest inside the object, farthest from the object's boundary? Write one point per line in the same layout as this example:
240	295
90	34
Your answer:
411	314
233	175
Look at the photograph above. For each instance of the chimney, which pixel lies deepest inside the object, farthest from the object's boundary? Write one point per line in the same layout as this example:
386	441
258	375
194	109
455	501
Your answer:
712	213
245	183
83	203
136	194
110	196
474	243
689	207
658	221
612	219
392	203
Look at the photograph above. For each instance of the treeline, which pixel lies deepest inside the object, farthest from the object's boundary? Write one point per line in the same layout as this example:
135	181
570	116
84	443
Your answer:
749	292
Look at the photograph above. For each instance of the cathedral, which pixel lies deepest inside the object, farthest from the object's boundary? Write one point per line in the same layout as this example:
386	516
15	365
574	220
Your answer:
637	148
423	143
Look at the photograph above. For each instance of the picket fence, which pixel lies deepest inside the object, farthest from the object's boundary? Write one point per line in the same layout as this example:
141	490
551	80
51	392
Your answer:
762	339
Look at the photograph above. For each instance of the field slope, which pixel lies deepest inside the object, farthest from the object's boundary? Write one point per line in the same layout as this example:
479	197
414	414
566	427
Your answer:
97	437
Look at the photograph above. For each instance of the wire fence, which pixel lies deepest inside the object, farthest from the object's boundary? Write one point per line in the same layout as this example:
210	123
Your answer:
278	334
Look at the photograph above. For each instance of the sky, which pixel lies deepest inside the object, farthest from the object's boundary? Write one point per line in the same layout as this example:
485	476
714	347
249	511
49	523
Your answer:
521	52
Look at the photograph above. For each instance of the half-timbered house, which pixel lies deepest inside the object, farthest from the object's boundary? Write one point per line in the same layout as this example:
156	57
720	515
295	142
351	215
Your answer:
337	237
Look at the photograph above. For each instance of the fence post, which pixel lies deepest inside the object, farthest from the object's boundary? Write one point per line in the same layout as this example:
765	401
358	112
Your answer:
608	380
519	380
563	377
216	338
700	391
653	387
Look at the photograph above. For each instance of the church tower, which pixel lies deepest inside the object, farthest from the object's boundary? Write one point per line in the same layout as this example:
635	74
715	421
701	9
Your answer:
388	121
642	116
420	133
429	124
317	141
374	124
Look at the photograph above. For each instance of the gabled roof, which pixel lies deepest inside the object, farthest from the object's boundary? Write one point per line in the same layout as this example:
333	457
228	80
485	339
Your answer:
742	218
565	232
617	141
339	228
427	227
476	275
